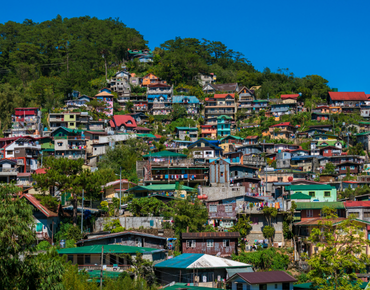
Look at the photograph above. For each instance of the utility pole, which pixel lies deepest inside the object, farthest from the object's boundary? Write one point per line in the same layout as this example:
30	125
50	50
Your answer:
82	213
101	270
120	187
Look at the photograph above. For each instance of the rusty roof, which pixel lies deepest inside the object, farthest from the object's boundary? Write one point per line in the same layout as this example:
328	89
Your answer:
316	221
211	235
265	277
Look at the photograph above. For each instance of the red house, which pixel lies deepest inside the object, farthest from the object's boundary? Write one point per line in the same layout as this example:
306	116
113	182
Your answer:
344	167
123	122
330	151
213	243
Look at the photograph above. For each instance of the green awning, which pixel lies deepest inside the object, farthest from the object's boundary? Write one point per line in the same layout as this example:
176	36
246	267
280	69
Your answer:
178	168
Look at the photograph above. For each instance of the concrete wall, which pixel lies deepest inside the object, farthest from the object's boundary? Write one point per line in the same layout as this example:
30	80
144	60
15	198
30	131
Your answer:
130	222
222	192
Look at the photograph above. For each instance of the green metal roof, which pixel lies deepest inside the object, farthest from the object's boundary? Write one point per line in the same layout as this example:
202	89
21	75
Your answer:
96	249
364	123
300	195
232	136
106	274
319	205
260	101
306	187
331	142
223	117
165	154
160	187
143	135
363	133
187	128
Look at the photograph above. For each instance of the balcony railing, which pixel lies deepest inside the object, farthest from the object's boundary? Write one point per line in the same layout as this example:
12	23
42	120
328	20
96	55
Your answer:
182	176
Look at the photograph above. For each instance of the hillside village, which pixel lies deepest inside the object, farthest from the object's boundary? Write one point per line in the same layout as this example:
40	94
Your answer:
195	178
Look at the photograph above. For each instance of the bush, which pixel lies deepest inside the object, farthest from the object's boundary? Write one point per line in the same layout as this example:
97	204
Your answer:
43	246
50	202
264	259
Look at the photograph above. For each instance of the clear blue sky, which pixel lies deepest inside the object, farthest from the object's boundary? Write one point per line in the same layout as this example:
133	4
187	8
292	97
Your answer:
328	37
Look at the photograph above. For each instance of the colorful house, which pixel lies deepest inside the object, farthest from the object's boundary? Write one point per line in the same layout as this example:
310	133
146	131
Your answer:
224	125
208	131
105	96
318	192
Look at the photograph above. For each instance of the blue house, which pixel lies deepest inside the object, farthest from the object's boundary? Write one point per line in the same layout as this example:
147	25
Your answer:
190	103
205	150
224	125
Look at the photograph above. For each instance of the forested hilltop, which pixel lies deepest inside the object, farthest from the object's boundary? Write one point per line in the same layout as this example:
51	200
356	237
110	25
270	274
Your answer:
42	63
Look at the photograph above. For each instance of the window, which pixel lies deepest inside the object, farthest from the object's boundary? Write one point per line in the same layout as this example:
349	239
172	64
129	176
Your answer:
367	214
228	208
226	243
327	193
10	152
39	227
70	258
222	174
210	243
87	260
326	151
239	286
190	244
255	220
309	212
343	168
285	286
352	167
60	144
80	259
356	214
275	286
312	193
213	208
263	287
71	124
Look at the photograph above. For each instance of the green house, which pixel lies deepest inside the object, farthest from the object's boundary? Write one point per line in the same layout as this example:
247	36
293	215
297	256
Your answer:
318	192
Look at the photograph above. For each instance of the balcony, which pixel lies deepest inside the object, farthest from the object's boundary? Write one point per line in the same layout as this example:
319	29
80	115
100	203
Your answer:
180	177
8	172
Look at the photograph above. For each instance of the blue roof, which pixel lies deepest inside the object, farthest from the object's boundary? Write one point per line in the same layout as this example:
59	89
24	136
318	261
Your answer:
225	159
157	96
179	99
180	262
213	143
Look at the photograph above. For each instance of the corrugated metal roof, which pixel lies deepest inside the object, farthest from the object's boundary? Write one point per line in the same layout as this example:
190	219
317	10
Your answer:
232	271
97	249
266	277
184	286
348	96
316	221
179	99
300	195
319	205
160	187
199	261
306	187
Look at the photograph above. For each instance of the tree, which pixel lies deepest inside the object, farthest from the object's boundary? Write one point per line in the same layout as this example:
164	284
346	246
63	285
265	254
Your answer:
269	231
340	254
264	259
242	226
178	112
145	206
124	156
129	105
19	268
68	175
329	168
187	215
142	268
97	109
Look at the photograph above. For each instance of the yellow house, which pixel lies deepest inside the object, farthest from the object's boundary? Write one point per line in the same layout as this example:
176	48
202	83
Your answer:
112	189
71	120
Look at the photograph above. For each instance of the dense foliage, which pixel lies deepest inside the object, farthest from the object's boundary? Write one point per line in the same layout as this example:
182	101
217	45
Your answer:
264	259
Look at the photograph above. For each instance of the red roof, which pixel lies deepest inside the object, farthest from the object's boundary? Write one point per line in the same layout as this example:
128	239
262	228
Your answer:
348	96
206	126
40	171
363	203
282	125
122	120
291	96
251	137
221	96
266	277
39	206
158	136
24	174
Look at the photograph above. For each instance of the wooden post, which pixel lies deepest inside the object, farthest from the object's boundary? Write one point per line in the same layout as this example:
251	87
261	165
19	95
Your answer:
180	277
101	270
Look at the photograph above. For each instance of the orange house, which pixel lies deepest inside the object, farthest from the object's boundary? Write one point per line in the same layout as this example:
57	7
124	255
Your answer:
208	131
150	79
